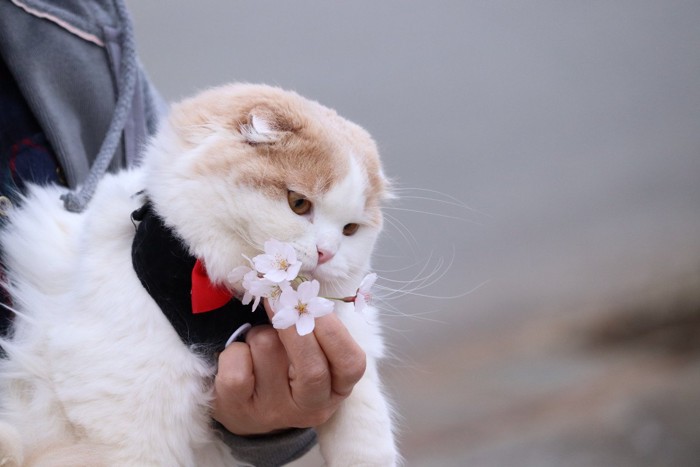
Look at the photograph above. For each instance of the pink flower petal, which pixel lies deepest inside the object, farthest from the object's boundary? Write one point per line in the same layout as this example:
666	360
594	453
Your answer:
319	306
288	298
264	263
285	318
288	252
293	270
364	297
247	298
276	275
368	281
305	324
308	290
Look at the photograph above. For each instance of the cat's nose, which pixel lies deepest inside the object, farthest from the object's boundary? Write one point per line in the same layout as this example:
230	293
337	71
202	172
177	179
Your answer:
324	255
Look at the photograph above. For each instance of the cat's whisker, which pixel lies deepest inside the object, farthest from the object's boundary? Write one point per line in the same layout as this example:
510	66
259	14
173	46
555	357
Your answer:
450	200
441	297
248	241
408	267
439	271
403	230
435	214
387	308
425	274
422	281
334	286
244	236
416	317
443	202
387	256
420	278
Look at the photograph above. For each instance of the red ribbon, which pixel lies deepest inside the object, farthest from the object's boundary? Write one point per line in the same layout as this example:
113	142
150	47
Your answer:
205	295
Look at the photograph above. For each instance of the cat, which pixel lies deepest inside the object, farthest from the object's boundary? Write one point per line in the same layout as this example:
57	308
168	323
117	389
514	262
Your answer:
94	367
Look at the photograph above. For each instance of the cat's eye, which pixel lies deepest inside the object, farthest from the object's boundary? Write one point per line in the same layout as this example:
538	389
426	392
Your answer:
350	229
298	203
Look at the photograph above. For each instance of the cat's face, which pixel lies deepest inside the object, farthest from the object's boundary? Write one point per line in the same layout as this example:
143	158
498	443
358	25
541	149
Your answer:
242	164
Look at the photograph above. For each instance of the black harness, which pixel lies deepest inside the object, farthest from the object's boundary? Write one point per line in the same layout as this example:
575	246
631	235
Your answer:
164	266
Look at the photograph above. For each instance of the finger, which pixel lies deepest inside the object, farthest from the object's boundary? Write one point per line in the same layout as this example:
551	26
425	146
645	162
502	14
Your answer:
234	382
303	351
346	359
235	371
270	364
309	374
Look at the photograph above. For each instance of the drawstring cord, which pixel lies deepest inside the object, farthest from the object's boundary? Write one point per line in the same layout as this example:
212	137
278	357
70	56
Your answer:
76	202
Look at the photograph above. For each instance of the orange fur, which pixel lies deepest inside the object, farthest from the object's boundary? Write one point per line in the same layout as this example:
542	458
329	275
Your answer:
310	149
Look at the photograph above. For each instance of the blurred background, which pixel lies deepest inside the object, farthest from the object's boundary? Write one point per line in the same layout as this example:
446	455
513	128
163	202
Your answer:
541	270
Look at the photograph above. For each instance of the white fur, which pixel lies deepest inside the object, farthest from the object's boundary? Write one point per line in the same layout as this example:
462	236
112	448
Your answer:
96	362
96	370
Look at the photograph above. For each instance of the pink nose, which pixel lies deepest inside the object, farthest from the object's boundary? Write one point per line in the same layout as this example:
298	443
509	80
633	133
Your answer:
324	255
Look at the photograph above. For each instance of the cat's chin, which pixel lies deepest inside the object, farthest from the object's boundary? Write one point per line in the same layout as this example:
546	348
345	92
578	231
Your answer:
334	282
324	274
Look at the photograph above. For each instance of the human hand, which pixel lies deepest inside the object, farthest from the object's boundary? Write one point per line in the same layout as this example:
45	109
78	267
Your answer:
278	379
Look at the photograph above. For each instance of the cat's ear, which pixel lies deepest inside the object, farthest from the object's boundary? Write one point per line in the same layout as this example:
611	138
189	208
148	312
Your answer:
261	128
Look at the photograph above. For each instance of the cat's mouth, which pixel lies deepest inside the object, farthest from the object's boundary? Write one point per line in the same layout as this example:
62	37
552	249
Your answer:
319	266
324	273
316	271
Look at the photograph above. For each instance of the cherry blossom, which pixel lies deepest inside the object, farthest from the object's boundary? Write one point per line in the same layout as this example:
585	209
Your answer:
363	297
279	262
259	287
275	275
301	307
255	287
237	274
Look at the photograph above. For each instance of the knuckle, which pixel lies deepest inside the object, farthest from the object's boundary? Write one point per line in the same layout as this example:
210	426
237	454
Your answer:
233	381
232	375
314	375
264	339
352	366
356	366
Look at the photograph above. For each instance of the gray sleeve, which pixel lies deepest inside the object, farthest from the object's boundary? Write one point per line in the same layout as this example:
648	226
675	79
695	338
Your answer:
66	58
270	450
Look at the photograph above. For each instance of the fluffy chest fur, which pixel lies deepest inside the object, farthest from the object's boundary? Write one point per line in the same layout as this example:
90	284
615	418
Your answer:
232	168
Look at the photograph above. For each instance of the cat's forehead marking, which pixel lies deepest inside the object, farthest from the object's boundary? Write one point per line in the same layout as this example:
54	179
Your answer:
311	167
349	192
354	198
312	153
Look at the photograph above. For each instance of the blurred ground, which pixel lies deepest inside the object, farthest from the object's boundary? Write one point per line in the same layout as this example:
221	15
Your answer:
599	387
604	387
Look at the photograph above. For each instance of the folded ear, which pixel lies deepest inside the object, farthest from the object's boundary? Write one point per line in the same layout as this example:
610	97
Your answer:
262	127
258	130
269	122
